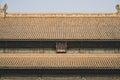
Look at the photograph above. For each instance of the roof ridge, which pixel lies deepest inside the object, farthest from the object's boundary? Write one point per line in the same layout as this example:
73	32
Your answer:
61	15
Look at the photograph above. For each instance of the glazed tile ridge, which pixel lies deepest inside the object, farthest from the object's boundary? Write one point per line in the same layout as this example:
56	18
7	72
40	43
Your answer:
61	15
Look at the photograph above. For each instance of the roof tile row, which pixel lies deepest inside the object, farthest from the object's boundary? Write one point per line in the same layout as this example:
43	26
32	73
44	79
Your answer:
60	28
49	61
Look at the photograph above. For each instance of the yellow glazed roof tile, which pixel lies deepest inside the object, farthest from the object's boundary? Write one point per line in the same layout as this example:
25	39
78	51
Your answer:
63	61
60	27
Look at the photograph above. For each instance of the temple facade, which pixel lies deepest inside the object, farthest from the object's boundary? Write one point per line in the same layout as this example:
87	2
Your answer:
59	46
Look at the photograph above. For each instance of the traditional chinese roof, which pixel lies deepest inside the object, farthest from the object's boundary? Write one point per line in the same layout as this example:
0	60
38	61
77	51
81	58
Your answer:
60	61
60	27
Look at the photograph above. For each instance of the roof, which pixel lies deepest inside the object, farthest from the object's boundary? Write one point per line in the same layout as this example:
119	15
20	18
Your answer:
60	27
60	61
